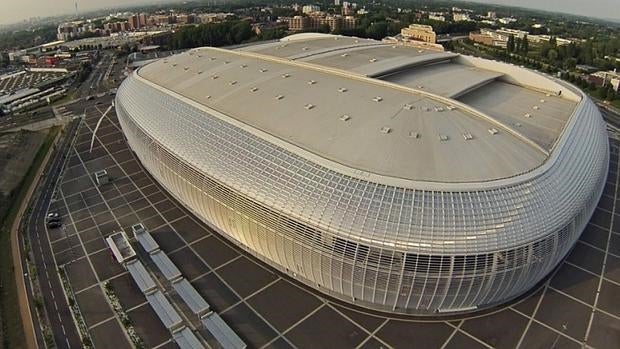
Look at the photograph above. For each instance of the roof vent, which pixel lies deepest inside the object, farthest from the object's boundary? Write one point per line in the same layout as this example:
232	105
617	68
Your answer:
413	134
443	138
254	89
286	75
342	89
420	87
165	61
344	55
377	99
262	70
214	77
244	66
493	131
420	51
548	94
279	97
309	106
528	115
517	124
542	100
356	41
208	96
408	106
304	48
372	60
199	56
535	107
199	72
174	64
311	82
186	68
385	130
234	82
211	58
450	107
393	46
439	109
468	136
345	117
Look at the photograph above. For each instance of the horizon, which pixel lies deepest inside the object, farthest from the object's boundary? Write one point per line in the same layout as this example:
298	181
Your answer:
51	9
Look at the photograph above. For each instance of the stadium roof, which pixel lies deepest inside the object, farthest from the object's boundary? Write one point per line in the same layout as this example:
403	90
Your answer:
390	110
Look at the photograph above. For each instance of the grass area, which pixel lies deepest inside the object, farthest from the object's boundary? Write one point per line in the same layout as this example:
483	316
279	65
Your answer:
12	332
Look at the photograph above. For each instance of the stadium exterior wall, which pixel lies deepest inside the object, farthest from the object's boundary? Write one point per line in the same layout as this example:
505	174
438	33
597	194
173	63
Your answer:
393	249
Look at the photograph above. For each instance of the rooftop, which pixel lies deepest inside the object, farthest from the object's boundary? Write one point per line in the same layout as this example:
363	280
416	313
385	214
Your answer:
390	110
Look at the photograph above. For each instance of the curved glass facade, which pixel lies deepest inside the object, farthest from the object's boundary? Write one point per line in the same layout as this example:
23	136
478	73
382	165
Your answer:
394	249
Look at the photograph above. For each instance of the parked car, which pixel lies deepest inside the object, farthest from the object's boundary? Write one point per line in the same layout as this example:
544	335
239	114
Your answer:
52	217
54	224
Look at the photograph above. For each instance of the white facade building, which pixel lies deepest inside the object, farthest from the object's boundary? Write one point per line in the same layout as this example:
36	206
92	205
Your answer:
372	175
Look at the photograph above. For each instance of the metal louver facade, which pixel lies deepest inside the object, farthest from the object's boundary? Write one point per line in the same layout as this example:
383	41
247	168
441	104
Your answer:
436	248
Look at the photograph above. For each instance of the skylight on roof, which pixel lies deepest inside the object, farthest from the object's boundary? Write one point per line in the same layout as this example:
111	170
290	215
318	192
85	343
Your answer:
342	89
385	130
345	117
443	137
372	60
377	99
408	106
468	136
493	131
413	134
311	82
309	106
254	89
279	97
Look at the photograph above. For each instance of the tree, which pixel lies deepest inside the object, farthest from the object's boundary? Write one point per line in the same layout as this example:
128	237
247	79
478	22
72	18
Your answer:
525	45
510	46
552	55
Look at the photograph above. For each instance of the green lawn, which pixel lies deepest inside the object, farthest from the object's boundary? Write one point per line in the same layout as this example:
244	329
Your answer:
12	331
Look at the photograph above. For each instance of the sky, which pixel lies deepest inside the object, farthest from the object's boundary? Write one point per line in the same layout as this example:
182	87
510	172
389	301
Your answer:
607	9
17	10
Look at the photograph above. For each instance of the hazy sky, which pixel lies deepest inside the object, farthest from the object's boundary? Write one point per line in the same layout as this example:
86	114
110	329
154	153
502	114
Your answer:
16	10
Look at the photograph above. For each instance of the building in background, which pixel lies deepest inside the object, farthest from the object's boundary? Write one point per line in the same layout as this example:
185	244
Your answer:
419	32
460	17
308	9
437	17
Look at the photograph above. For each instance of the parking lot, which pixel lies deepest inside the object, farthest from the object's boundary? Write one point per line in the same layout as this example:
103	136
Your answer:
579	304
26	79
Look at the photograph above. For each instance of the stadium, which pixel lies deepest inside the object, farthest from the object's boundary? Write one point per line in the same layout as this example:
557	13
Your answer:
395	178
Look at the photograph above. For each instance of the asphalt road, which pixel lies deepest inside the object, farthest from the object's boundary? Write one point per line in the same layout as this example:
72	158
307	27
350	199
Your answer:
62	325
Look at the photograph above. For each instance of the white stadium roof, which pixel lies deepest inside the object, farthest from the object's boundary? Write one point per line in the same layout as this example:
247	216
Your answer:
394	111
